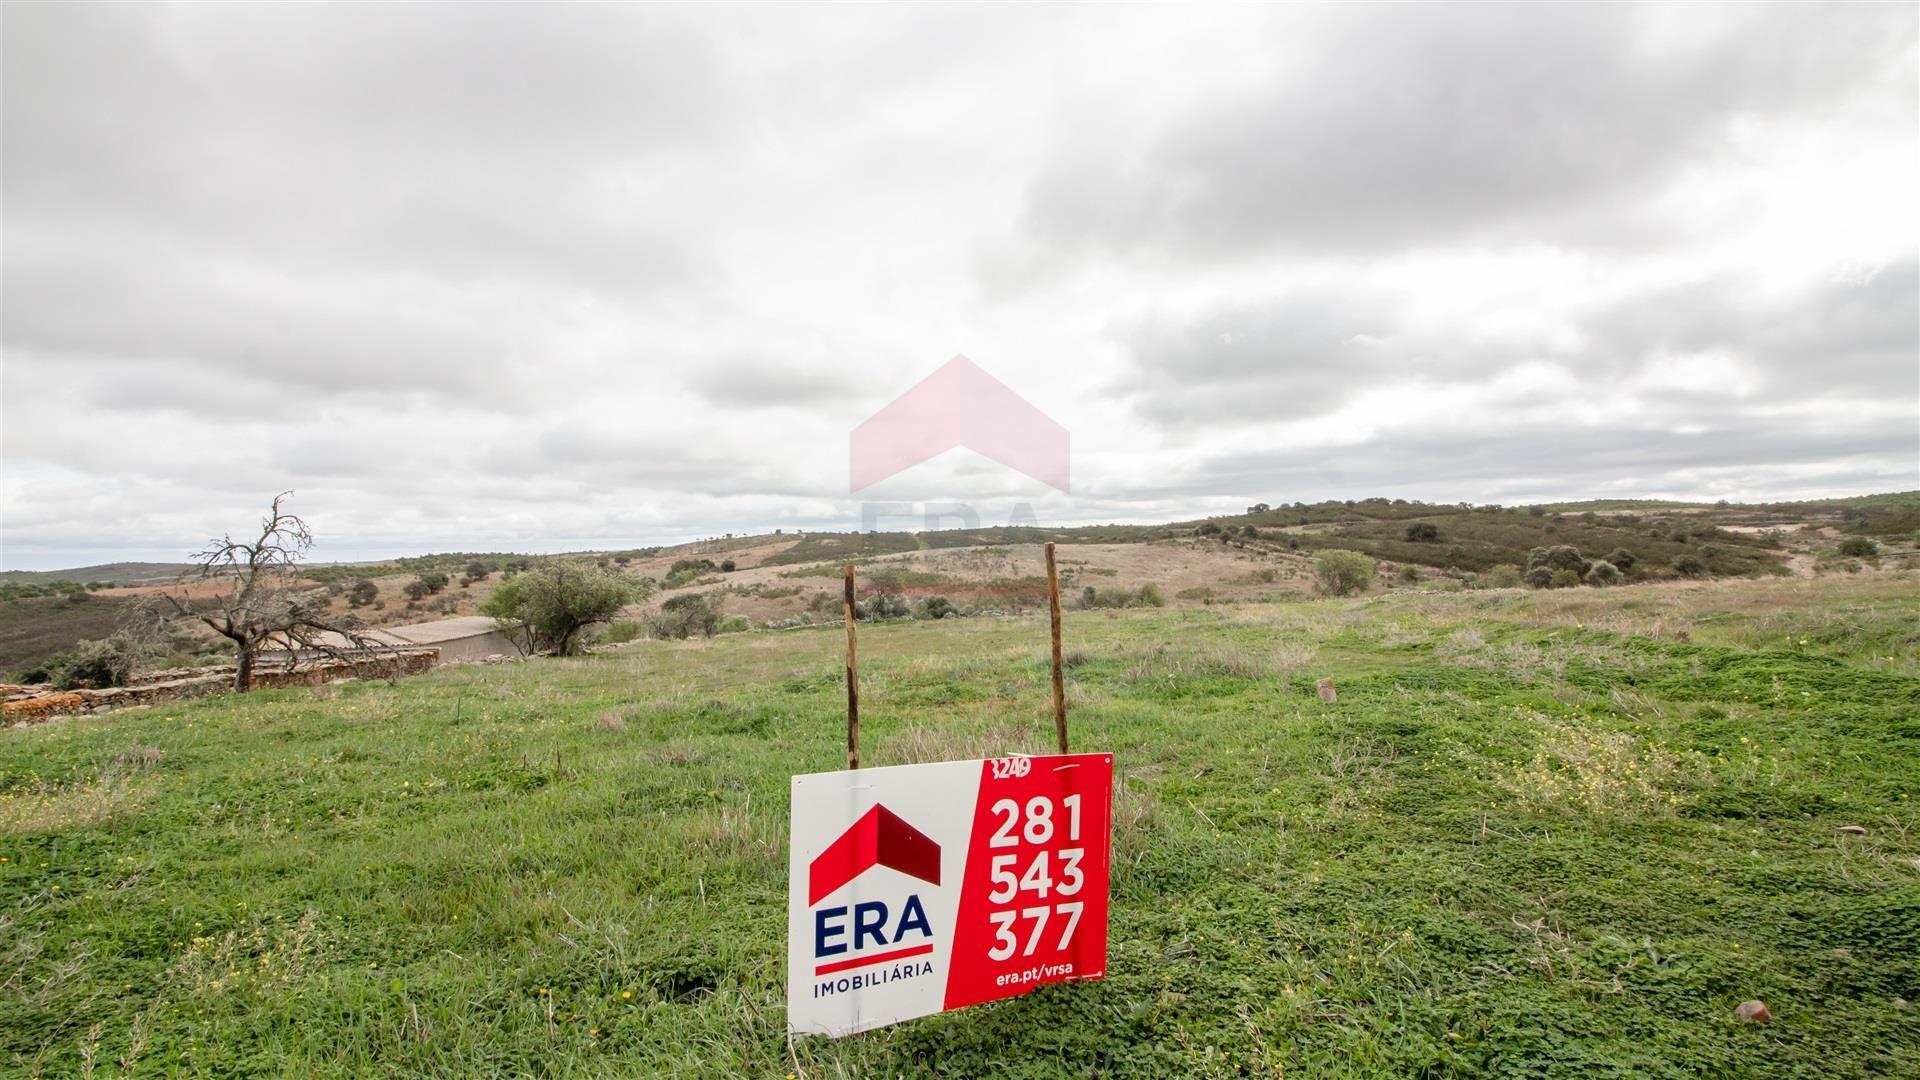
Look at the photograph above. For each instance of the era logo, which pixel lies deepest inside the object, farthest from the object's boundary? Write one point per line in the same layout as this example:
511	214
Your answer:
879	838
869	923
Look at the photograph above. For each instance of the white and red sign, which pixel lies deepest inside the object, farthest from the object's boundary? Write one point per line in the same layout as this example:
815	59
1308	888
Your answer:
922	888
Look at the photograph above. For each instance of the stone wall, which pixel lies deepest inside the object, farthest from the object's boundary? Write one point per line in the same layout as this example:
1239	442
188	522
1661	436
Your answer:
20	705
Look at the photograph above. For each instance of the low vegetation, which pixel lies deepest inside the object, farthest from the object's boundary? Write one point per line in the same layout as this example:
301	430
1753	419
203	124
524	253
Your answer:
1538	834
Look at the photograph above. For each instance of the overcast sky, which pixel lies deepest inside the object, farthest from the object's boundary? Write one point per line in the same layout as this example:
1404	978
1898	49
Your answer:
555	277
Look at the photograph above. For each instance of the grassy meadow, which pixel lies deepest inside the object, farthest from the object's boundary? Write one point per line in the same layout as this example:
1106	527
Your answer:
1539	834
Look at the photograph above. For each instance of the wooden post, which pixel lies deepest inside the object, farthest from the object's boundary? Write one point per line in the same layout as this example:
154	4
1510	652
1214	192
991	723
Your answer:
853	682
1059	682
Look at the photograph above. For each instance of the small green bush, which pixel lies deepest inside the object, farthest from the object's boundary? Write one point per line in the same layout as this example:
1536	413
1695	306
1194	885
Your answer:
1859	547
1562	579
1622	559
1558	557
685	615
1342	572
1602	573
1505	576
1147	595
1423	532
623	631
89	665
364	592
883	606
1688	565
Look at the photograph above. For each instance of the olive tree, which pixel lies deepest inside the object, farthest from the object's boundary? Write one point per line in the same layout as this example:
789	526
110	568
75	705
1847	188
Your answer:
550	605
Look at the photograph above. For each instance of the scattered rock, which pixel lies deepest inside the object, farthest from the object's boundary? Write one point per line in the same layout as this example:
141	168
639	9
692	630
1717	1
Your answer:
1753	1012
1854	830
1325	686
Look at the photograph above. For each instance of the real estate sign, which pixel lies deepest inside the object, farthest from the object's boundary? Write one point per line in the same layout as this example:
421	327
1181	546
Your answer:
922	888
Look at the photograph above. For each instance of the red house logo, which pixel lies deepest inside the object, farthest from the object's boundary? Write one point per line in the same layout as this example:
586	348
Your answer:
880	838
958	405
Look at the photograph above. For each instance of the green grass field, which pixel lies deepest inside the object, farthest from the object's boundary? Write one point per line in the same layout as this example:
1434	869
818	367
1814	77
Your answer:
1540	834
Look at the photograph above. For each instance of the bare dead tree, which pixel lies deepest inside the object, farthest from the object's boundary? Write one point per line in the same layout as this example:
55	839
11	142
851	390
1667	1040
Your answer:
259	598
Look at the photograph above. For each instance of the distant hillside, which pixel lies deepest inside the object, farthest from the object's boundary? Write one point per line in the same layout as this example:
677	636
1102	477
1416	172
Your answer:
120	573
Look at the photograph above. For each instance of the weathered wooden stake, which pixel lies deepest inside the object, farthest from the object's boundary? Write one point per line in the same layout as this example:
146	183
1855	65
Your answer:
1059	682
853	682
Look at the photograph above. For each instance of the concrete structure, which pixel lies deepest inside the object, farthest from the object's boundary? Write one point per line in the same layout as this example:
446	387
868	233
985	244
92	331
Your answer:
467	637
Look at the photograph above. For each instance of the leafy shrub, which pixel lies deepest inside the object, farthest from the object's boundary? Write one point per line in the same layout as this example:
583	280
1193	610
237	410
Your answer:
1602	572
1209	529
90	664
733	624
557	601
1562	579
685	615
364	592
1558	557
1622	559
434	580
726	566
478	571
1408	575
685	572
1859	547
883	606
1423	532
1504	576
622	631
1688	565
1147	595
939	607
1539	577
1341	571
415	589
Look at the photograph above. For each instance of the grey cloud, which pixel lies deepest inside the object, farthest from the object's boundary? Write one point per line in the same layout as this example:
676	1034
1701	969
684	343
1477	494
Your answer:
760	384
1518	462
1395	126
1845	336
1297	355
1306	354
500	274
